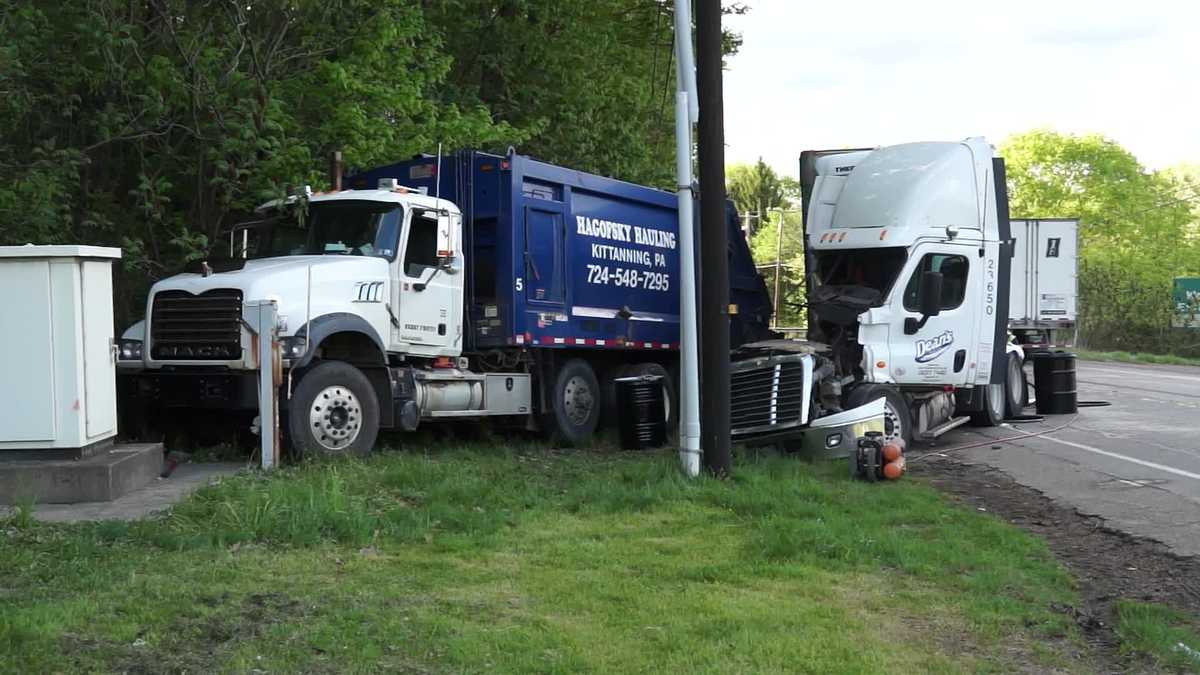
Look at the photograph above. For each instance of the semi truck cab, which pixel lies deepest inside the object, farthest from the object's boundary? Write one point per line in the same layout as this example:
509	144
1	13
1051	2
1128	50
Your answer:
908	257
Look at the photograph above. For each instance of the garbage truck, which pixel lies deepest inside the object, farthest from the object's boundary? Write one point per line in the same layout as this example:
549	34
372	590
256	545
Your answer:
443	288
909	272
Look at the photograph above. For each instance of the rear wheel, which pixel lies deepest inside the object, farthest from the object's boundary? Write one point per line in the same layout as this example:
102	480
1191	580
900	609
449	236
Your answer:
993	407
334	411
1016	389
897	418
576	402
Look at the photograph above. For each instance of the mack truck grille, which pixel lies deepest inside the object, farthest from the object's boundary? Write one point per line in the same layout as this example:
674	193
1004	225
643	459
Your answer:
766	398
205	327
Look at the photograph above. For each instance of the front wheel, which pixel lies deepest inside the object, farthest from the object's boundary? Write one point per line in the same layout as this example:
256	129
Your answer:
897	416
334	411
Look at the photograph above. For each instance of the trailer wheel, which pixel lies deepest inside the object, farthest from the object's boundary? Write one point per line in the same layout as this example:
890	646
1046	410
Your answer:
576	401
897	420
994	403
334	411
1016	389
670	390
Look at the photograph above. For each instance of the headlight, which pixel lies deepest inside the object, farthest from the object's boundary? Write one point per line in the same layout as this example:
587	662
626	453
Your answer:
131	350
293	347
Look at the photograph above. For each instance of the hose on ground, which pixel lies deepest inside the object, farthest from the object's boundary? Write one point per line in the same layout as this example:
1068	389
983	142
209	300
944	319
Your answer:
994	441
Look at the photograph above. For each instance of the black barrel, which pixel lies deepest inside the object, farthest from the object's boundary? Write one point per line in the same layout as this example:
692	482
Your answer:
641	411
1054	383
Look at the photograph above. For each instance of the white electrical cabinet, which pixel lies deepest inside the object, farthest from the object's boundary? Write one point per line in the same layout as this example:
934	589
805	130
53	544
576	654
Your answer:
57	353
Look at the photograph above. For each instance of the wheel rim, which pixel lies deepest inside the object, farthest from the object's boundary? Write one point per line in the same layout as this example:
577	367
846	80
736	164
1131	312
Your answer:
996	400
893	427
1015	381
335	418
578	400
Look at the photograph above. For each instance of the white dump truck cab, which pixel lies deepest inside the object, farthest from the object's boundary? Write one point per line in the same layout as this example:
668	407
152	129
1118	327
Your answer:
908	261
366	279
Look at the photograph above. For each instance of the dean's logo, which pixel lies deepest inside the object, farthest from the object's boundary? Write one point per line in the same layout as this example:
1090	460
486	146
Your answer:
928	350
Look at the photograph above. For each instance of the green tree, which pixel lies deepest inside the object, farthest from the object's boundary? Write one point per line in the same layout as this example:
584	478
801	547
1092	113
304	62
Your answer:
156	125
779	239
1134	230
756	188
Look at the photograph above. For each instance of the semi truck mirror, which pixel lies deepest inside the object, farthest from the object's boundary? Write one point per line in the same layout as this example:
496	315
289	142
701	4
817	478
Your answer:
929	301
931	293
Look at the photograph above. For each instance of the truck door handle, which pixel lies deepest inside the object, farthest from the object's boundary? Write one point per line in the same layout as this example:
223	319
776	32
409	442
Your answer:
960	359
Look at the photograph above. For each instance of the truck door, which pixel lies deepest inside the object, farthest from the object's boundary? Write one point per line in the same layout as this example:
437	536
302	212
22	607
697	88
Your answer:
430	296
941	351
544	254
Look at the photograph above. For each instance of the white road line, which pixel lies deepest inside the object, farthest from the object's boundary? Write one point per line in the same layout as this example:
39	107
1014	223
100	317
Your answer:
1114	455
1152	374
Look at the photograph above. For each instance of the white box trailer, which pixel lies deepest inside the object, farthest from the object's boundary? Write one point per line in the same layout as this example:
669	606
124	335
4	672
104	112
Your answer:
57	352
1043	295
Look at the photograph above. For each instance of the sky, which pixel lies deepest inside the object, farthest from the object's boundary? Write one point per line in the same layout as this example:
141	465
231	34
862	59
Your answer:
834	74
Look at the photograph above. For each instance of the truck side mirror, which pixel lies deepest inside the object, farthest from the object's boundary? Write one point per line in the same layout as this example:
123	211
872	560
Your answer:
931	293
929	301
446	244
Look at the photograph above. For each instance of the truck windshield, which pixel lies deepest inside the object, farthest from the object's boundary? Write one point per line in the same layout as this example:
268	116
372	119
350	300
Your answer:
354	228
874	268
343	227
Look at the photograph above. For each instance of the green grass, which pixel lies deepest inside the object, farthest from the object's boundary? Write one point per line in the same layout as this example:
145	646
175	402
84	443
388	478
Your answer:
1168	636
1137	357
472	559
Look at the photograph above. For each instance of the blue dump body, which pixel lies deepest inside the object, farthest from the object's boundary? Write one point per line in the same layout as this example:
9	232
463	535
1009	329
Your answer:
560	258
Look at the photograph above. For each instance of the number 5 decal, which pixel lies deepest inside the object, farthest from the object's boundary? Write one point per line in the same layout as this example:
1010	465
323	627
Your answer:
520	285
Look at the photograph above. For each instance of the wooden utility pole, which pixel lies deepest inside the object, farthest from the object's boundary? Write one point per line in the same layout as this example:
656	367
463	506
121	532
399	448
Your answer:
714	243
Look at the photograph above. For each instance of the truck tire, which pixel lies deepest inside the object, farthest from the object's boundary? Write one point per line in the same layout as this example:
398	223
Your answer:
994	403
333	412
897	414
1016	389
575	401
670	390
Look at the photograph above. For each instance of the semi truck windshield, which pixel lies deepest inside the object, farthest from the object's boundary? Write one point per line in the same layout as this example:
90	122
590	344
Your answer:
873	268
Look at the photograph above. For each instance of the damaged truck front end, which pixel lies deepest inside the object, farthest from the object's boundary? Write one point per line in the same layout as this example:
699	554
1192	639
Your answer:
788	393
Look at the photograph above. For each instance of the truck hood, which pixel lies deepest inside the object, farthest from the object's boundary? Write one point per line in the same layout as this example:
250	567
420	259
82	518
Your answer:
336	281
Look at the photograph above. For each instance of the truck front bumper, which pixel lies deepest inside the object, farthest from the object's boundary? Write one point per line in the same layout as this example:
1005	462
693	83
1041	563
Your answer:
215	390
830	437
835	436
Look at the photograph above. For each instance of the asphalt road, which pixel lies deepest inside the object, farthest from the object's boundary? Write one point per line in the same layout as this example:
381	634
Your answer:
1135	464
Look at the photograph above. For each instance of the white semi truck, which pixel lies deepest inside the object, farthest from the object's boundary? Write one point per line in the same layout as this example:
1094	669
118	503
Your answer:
910	280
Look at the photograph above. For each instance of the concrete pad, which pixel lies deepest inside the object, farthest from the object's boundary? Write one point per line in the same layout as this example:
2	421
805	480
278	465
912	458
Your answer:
101	477
160	494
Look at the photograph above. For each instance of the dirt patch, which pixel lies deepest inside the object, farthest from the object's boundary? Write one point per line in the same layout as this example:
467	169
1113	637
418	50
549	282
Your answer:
1108	565
195	640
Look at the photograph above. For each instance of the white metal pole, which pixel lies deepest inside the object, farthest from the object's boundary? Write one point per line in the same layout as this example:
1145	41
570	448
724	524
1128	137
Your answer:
685	61
689	405
687	112
268	385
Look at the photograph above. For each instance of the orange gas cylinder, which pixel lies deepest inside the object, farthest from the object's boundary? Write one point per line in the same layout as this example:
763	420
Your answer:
893	470
892	451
